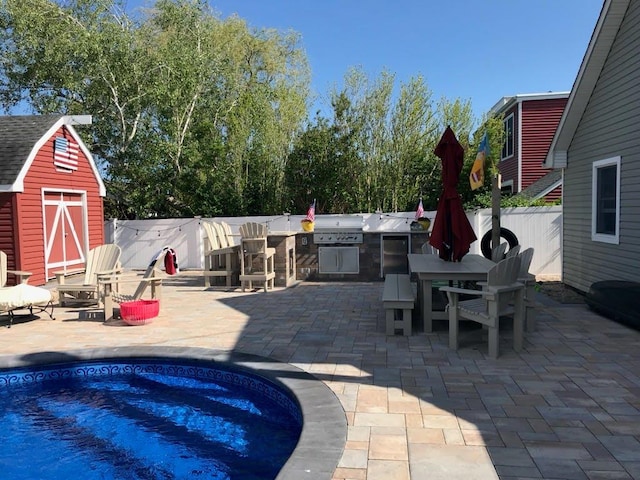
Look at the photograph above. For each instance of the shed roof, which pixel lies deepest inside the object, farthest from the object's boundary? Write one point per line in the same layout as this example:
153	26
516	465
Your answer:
506	103
23	135
543	185
604	34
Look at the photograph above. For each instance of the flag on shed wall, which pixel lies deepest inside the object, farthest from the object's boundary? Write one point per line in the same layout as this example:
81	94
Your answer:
476	178
311	212
419	210
65	154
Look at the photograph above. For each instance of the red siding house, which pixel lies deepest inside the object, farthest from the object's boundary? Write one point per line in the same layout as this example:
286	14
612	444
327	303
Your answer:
530	123
51	195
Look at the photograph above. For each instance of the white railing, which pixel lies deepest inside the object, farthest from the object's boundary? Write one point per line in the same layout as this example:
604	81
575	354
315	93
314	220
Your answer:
537	227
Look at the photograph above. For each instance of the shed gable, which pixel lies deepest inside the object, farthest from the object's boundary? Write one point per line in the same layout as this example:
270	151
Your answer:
540	119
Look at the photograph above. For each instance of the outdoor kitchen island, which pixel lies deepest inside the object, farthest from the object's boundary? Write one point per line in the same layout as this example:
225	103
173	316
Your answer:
285	257
340	249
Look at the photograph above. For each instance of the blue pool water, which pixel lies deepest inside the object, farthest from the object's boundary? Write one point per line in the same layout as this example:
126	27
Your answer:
143	419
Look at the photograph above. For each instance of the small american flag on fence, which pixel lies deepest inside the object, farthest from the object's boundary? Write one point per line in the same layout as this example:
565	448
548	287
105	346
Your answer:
311	212
419	210
65	154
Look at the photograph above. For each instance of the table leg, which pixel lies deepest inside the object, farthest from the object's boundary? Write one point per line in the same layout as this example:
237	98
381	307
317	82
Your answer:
427	306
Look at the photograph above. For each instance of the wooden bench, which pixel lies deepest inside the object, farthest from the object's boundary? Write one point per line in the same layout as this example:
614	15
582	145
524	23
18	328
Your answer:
398	300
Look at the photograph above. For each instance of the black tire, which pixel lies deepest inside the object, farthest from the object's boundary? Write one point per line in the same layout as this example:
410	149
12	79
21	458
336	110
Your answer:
485	243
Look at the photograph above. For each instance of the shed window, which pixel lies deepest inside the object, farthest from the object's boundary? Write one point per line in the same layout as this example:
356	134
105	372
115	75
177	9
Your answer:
605	209
507	148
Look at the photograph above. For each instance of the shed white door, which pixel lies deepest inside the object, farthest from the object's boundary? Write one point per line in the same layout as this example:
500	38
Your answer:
66	230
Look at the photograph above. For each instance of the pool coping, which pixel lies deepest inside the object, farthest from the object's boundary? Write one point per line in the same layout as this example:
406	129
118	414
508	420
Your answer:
324	429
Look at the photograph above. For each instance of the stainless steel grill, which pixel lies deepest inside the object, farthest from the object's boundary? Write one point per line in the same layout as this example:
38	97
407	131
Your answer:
338	237
338	229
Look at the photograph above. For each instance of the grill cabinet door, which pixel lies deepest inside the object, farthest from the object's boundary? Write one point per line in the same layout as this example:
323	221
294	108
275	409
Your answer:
339	260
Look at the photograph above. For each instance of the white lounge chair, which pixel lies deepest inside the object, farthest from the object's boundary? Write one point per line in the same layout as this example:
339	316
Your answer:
23	296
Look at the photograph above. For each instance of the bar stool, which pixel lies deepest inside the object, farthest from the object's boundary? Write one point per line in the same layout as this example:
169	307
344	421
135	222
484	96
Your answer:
256	259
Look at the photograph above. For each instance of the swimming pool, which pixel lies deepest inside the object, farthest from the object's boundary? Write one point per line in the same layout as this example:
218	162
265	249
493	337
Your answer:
169	416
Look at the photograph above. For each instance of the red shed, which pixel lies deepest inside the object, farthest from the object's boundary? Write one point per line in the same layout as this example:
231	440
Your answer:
51	195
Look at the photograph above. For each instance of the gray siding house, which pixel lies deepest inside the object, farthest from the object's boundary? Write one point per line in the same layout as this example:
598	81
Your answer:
597	147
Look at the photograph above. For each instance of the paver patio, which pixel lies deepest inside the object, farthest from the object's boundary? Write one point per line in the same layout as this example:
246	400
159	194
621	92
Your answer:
567	407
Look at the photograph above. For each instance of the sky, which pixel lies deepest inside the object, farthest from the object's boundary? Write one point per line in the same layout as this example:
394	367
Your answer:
477	50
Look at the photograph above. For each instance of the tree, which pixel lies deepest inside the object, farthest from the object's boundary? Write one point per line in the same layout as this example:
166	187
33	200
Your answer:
413	129
324	164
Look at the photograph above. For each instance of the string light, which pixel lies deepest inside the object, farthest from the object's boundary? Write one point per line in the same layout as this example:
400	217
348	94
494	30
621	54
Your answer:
168	229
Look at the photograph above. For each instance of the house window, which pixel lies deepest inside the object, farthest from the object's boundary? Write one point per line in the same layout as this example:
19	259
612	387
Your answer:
507	148
506	188
605	206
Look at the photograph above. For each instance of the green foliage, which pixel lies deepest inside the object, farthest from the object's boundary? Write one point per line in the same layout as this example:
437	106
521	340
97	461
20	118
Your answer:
377	150
483	200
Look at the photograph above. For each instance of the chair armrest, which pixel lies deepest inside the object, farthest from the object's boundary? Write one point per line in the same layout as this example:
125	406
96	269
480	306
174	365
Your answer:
489	295
528	278
465	291
116	270
509	288
114	277
23	276
120	279
60	276
108	273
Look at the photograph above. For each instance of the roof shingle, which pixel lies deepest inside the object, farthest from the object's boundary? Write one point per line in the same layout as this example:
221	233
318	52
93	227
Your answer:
19	134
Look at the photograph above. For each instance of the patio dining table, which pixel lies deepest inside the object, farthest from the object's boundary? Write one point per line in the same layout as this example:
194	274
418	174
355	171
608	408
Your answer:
431	267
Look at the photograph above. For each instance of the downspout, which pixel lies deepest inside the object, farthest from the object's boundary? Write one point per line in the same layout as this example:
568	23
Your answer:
519	146
562	226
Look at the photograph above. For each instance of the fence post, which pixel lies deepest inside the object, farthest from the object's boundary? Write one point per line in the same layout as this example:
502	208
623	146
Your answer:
200	242
111	231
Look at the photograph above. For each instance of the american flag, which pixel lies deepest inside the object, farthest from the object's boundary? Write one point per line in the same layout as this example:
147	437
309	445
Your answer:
65	154
311	212
420	210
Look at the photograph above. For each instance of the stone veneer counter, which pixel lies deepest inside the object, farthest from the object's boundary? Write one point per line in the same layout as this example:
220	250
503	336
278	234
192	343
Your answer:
370	255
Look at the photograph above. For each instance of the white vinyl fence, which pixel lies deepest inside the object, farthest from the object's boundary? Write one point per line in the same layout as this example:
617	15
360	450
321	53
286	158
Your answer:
140	240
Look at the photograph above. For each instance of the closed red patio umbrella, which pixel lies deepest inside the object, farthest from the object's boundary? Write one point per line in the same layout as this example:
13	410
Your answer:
452	233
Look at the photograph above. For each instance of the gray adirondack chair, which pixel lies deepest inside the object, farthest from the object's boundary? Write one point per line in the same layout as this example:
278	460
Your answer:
502	294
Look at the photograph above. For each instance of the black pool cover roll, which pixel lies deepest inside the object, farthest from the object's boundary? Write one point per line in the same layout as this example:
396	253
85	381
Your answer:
616	299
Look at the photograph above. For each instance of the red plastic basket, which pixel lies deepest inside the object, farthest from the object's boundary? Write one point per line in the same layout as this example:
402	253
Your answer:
139	312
